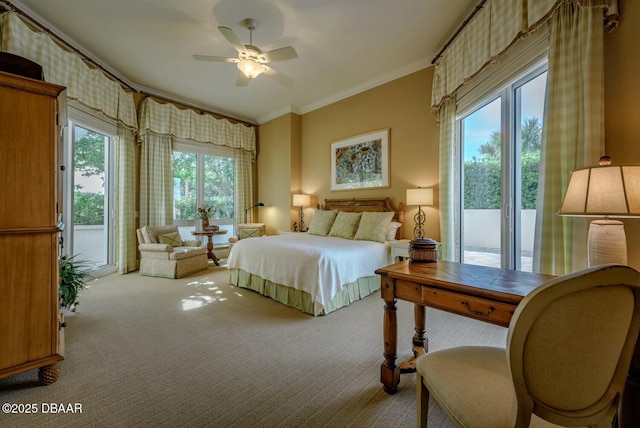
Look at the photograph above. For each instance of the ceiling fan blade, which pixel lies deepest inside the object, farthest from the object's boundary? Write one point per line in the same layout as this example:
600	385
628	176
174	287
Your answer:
280	54
231	37
278	77
242	80
214	58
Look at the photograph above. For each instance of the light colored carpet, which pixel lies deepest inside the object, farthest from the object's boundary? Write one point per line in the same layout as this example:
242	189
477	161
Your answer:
197	352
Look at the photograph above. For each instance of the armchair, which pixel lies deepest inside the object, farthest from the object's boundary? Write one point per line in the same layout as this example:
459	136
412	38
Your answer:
164	254
247	230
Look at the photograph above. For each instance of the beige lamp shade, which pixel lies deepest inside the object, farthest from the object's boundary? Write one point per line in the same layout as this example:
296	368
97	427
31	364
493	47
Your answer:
300	200
419	196
604	191
609	191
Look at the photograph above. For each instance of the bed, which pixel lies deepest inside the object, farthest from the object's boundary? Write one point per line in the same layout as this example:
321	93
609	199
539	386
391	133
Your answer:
330	266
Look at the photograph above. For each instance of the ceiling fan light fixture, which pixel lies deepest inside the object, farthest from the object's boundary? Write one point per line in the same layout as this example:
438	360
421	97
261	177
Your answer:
251	68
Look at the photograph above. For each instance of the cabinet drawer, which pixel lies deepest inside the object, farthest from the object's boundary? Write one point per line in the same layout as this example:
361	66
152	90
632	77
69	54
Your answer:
469	306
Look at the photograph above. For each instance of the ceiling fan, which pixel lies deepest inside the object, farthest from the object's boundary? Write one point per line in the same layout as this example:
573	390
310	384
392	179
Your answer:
251	61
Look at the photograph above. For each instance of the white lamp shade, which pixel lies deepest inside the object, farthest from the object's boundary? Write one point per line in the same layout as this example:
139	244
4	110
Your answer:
300	200
419	196
251	68
612	191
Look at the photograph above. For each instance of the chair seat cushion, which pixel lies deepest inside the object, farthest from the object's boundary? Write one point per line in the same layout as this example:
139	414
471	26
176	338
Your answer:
472	385
472	378
181	253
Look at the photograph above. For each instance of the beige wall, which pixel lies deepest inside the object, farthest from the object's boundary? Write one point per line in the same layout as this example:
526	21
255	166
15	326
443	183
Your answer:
278	171
622	104
403	107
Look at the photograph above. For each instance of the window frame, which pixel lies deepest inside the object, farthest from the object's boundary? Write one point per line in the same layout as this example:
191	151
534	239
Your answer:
510	206
201	150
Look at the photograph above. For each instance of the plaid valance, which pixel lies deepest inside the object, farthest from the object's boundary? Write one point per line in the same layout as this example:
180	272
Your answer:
89	86
492	31
167	119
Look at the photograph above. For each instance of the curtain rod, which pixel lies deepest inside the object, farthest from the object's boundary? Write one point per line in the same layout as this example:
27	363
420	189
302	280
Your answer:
85	58
464	24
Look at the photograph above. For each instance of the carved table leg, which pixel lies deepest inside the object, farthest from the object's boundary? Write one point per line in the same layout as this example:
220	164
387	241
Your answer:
210	252
420	341
49	374
390	371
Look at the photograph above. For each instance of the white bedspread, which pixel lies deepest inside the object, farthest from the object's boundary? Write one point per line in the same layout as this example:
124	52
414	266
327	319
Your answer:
319	265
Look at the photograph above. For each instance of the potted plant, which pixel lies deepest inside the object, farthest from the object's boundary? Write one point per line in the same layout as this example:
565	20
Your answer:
204	212
73	277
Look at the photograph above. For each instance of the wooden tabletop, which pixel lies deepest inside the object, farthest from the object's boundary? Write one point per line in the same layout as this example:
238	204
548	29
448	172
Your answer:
502	285
209	232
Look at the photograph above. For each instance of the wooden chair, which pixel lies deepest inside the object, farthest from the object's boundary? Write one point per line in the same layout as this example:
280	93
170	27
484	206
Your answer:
569	348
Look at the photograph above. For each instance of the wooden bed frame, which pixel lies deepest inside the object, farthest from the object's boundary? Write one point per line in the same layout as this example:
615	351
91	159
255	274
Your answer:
359	205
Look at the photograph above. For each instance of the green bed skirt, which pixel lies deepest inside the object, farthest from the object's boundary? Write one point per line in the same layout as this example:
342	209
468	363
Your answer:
300	299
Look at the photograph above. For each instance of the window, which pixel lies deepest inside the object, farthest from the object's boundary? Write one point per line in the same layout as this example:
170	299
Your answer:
500	139
203	175
88	191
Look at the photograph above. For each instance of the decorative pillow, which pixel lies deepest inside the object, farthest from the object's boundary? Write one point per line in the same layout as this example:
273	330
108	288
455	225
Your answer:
321	222
391	233
172	239
247	232
374	226
345	225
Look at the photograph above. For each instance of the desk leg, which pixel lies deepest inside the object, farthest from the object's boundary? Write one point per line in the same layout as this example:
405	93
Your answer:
420	341
390	371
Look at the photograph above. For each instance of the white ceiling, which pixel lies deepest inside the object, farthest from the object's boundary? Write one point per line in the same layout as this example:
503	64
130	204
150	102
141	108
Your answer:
343	46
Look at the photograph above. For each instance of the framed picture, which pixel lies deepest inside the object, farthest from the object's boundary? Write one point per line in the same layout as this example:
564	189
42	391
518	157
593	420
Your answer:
361	162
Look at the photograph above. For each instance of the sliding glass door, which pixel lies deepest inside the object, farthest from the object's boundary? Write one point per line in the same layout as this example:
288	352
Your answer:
88	194
500	142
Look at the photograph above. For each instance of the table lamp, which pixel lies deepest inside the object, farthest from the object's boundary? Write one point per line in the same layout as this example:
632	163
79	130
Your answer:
259	204
302	201
419	197
604	191
421	249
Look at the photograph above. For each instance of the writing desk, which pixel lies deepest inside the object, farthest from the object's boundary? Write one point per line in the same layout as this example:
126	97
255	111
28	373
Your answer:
483	293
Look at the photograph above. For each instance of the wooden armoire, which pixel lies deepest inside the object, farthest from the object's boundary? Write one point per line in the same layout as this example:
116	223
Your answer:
30	150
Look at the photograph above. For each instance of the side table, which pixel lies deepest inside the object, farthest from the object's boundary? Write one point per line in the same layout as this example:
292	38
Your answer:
209	234
399	249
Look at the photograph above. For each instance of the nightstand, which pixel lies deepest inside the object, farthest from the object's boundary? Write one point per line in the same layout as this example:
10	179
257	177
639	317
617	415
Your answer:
399	249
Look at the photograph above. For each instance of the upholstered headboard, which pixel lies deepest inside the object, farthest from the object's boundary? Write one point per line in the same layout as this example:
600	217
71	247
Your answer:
359	205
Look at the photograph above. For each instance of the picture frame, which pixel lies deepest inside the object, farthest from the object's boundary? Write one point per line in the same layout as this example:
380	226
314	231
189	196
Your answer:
361	162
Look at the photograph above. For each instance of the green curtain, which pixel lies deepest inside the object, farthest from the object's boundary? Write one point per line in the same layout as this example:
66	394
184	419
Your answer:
125	198
156	180
573	132
449	183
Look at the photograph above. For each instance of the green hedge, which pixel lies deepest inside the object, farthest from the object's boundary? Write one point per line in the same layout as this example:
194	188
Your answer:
483	178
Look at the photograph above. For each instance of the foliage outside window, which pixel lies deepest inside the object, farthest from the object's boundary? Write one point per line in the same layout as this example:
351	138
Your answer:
483	176
203	180
89	158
